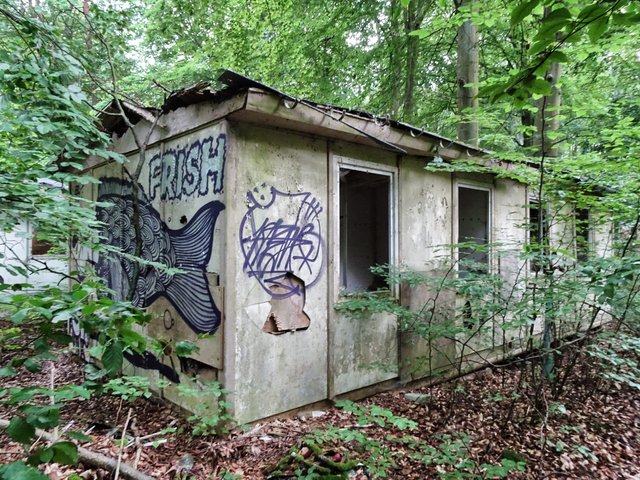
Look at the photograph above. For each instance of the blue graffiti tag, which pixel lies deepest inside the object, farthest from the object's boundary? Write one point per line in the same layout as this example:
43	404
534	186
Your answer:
275	247
188	170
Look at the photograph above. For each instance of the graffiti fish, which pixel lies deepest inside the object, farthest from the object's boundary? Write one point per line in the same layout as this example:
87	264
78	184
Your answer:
280	236
187	248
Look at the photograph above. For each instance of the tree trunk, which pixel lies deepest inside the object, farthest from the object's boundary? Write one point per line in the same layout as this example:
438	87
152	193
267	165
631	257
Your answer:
547	123
468	72
413	20
396	50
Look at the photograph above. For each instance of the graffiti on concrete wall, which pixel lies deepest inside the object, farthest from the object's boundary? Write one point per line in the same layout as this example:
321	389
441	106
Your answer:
79	338
192	170
187	249
149	361
282	246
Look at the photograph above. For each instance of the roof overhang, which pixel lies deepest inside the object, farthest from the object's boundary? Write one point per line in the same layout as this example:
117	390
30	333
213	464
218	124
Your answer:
256	103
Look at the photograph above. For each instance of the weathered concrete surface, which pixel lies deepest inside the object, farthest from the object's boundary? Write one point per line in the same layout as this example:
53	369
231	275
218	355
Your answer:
425	350
279	212
425	215
361	352
256	210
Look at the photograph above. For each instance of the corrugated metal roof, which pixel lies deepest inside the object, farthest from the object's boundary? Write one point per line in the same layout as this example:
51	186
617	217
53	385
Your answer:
231	83
237	82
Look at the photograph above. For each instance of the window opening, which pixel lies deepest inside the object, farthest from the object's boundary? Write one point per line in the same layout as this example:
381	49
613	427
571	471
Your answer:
536	237
473	230
364	228
583	234
39	246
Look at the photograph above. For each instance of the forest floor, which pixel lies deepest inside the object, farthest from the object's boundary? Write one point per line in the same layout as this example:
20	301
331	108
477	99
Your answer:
592	432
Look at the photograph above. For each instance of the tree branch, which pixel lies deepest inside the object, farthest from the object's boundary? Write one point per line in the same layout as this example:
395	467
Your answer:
94	459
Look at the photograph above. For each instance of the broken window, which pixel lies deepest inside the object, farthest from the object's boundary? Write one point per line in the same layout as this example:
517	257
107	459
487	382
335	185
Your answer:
39	246
473	230
365	213
583	234
538	238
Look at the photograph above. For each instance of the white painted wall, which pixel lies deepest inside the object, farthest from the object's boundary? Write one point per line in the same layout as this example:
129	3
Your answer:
15	248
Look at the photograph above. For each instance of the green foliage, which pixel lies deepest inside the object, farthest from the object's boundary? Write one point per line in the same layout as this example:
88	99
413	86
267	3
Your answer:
211	412
20	471
65	453
452	455
129	387
47	130
376	415
184	348
618	353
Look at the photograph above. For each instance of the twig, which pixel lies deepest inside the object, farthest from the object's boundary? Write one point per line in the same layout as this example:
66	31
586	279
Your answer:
52	398
94	459
118	411
158	84
124	432
136	442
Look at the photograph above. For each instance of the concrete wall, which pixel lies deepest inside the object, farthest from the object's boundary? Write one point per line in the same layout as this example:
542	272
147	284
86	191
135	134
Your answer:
181	193
251	216
278	227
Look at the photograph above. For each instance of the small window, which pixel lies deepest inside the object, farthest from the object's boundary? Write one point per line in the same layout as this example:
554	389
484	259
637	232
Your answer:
473	230
583	234
538	236
39	246
364	228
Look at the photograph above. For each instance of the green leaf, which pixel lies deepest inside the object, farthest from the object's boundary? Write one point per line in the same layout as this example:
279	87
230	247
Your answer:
80	294
541	86
521	11
598	27
20	471
20	315
184	348
32	365
558	14
79	436
65	453
626	18
41	455
42	416
591	12
20	430
62	316
112	357
558	56
7	372
71	392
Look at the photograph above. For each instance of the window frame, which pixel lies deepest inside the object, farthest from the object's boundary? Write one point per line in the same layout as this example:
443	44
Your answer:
588	244
43	247
455	230
531	200
391	172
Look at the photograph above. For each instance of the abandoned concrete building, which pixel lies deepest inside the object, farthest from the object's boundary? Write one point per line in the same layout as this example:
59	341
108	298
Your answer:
272	208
